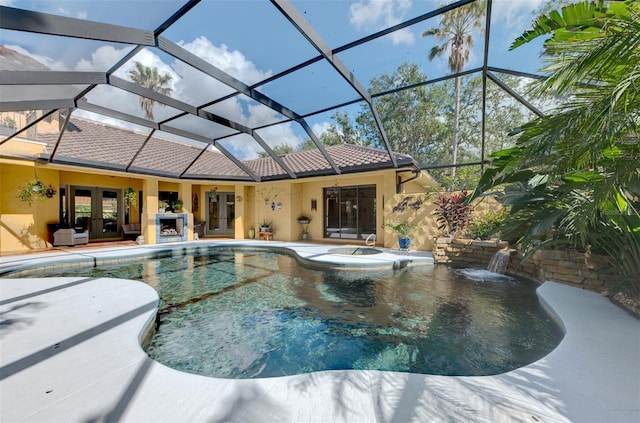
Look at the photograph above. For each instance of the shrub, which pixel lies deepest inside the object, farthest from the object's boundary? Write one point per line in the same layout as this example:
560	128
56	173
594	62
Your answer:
453	215
486	224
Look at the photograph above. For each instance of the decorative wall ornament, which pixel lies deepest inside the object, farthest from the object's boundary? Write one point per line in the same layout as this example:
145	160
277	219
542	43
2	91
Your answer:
406	202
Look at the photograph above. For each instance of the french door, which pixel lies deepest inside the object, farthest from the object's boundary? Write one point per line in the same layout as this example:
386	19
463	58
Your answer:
97	210
221	213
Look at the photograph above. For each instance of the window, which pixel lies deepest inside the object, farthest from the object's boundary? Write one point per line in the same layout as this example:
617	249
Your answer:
350	212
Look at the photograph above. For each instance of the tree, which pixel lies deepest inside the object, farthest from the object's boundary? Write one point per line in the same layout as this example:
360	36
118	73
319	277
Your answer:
415	119
456	32
573	176
280	150
150	78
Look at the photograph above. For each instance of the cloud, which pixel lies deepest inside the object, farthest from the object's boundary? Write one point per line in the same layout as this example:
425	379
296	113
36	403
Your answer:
514	13
81	14
320	128
188	85
374	15
8	3
56	65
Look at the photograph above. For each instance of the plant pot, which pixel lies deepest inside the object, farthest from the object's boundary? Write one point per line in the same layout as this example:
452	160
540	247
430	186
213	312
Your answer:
404	243
252	233
305	235
161	210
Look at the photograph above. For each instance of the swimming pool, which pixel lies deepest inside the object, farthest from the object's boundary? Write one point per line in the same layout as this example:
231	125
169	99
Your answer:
240	313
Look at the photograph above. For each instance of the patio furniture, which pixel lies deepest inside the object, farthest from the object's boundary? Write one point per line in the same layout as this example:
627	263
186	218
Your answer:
131	230
70	237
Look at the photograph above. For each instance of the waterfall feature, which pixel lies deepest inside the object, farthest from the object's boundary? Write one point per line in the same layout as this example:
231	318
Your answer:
499	262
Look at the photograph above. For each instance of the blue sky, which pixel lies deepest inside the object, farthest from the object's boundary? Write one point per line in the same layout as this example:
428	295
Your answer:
251	40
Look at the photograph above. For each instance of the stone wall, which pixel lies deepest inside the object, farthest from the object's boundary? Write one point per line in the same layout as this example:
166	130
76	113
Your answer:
563	266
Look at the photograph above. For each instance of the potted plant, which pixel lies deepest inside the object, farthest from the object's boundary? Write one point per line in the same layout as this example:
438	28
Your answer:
177	205
265	226
305	233
34	190
304	220
162	206
403	230
252	232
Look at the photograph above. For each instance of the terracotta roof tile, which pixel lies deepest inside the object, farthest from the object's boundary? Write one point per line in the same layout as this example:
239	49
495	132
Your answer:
93	142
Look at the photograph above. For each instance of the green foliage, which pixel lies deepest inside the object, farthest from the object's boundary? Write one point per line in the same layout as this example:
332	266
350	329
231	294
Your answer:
573	177
279	150
162	204
151	79
487	224
36	190
8	121
266	223
130	198
403	229
453	214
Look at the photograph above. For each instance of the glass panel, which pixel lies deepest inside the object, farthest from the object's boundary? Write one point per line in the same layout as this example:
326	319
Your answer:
213	164
359	19
214	211
109	208
145	14
181	80
523	87
370	67
466	177
163	156
504	114
245	110
332	212
46	130
349	212
339	125
313	88
240	38
509	19
131	104
200	126
82	209
366	211
89	141
39	52
39	92
230	213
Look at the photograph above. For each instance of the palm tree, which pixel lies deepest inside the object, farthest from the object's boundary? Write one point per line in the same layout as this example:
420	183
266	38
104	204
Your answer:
150	78
573	177
456	33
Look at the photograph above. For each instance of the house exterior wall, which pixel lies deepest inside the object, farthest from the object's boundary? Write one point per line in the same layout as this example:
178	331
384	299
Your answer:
24	228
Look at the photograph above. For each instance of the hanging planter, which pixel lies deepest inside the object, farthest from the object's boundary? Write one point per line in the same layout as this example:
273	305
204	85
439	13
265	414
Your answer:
35	190
130	198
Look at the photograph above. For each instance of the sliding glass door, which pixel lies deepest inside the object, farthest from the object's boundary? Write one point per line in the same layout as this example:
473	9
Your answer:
350	212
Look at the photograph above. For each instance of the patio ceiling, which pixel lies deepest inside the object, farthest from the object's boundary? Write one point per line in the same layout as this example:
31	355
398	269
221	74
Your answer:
235	115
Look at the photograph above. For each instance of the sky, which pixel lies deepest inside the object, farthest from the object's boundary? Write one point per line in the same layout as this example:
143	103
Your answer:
251	40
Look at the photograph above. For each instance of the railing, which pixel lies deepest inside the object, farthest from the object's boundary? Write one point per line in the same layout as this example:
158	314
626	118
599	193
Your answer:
371	240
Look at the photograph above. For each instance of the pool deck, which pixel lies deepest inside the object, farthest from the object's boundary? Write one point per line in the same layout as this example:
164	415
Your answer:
70	351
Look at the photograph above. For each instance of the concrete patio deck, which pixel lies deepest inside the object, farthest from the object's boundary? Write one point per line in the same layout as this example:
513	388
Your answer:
70	351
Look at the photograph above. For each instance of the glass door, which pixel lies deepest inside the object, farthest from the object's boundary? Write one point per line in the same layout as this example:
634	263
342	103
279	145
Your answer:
96	210
220	213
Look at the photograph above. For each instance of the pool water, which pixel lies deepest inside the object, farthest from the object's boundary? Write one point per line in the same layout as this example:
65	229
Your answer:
234	313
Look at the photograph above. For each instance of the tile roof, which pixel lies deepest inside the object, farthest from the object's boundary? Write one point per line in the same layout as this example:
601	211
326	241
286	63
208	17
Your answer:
99	144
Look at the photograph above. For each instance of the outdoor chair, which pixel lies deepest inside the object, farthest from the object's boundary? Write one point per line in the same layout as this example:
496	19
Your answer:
132	230
69	237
